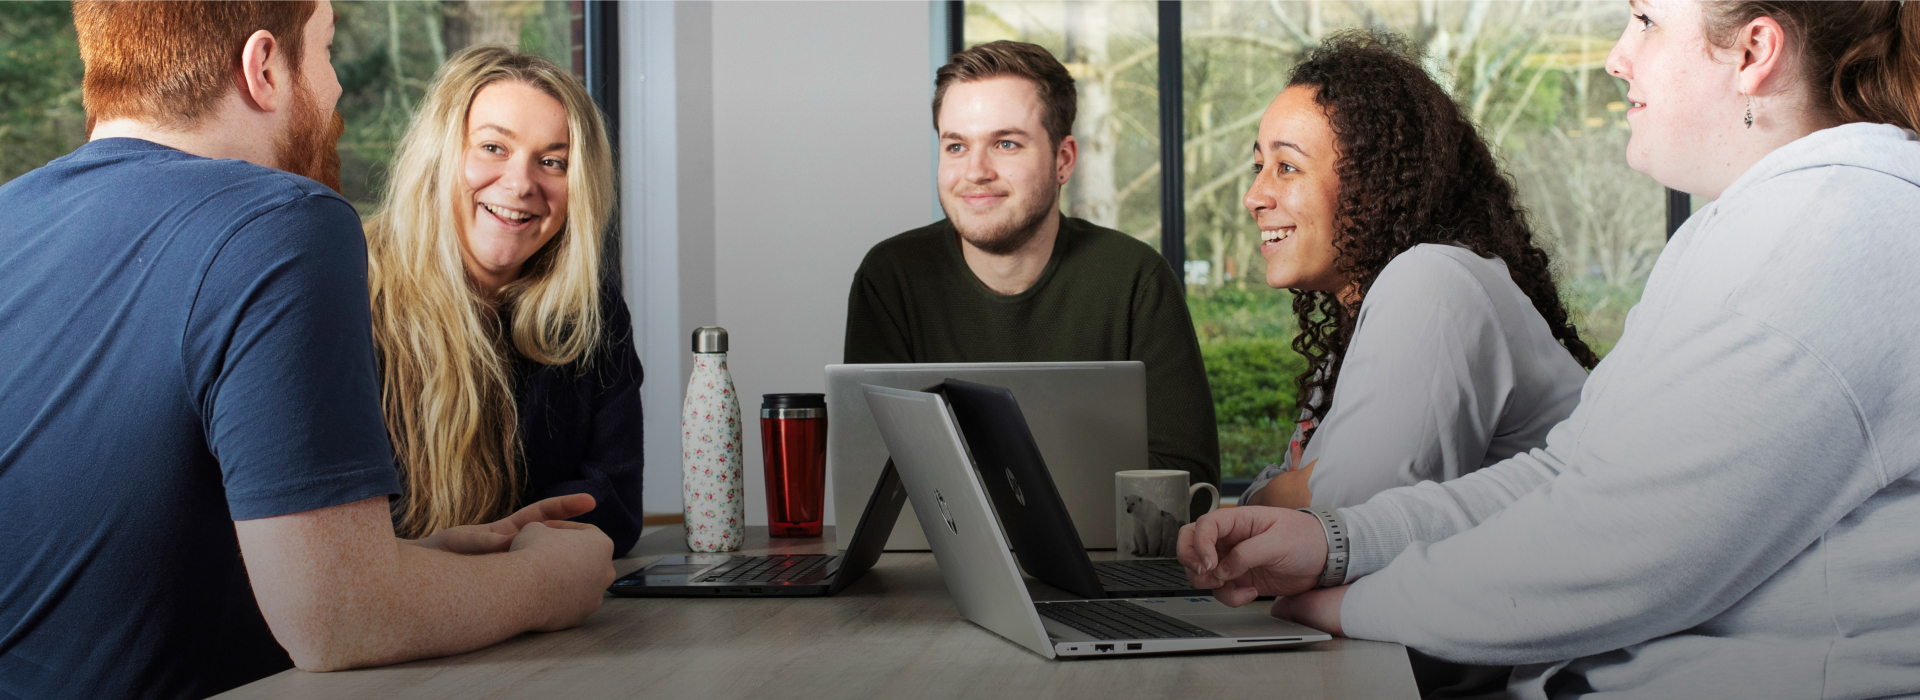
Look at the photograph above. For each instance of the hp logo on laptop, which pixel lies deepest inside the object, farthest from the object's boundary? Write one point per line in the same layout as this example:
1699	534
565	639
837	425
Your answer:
1015	484
944	513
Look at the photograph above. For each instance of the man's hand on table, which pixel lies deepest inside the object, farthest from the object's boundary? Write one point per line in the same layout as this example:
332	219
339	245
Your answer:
1246	552
499	535
575	561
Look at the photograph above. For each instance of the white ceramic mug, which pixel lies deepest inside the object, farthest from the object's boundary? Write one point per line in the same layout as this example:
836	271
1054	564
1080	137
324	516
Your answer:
1150	506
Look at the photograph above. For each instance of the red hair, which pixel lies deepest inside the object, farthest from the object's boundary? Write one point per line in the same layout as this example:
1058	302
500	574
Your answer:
169	63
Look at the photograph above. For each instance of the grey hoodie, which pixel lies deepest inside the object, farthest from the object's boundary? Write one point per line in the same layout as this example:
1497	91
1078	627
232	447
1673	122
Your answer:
1733	508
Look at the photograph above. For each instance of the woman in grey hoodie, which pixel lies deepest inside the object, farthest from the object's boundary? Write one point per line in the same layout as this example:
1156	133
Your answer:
1732	509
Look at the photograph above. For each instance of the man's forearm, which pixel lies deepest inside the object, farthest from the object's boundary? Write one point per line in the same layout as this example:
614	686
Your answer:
339	591
435	604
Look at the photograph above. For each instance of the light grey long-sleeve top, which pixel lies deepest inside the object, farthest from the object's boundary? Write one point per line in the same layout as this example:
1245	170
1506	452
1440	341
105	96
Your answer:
1450	369
1733	508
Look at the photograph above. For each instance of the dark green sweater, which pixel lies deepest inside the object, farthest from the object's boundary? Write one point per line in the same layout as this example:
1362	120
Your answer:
1103	296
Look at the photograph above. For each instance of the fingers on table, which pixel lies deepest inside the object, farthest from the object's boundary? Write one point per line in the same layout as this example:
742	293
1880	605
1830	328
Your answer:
550	509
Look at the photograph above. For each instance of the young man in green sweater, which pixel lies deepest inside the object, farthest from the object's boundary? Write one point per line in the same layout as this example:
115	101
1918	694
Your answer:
1007	278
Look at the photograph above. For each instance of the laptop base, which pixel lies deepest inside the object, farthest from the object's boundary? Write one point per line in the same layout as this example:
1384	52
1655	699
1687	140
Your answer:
676	577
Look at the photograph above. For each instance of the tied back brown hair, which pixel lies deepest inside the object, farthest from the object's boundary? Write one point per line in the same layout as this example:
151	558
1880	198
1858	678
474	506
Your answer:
1860	59
169	63
1412	170
1059	99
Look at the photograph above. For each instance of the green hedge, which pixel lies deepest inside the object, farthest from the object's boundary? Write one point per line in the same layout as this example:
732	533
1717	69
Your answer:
1253	388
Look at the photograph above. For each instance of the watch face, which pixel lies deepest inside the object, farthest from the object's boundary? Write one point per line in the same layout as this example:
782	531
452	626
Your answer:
944	512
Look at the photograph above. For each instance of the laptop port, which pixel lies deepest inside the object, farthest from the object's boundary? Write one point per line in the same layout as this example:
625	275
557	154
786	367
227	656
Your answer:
1133	646
1103	647
756	590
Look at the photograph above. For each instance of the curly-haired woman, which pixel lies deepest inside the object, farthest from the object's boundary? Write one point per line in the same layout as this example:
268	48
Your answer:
1434	334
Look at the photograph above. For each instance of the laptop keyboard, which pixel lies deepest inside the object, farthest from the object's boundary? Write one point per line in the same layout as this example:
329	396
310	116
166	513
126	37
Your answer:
1142	574
1118	619
775	568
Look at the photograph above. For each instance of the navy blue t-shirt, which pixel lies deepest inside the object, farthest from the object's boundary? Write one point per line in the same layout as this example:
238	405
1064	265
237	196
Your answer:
184	343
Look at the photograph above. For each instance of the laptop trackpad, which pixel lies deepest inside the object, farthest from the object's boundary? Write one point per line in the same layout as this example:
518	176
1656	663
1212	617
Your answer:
1250	620
681	570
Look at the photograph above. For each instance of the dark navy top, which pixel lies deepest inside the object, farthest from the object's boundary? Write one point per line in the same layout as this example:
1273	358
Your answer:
580	427
184	343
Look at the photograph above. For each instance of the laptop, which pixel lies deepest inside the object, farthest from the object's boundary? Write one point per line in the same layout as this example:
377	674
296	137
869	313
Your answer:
931	456
1089	418
783	575
1045	540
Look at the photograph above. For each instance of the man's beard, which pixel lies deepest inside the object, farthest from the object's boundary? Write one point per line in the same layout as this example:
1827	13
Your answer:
1004	240
309	148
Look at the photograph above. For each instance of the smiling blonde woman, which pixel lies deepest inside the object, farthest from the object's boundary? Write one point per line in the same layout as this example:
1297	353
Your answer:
508	371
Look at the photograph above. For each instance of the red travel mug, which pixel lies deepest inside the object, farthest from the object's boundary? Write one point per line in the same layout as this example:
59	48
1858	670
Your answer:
793	438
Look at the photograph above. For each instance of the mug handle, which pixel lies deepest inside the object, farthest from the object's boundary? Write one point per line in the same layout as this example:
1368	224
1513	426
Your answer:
1210	487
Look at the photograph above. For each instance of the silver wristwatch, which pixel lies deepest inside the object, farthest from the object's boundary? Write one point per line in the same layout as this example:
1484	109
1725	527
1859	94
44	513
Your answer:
1336	571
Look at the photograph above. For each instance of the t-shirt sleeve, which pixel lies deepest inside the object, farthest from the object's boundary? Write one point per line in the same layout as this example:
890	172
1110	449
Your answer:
1419	396
279	352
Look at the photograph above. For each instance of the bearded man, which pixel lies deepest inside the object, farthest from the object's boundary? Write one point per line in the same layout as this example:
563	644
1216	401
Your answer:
192	455
1007	278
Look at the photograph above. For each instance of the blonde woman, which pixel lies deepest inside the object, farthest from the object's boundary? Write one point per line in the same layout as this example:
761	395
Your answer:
508	371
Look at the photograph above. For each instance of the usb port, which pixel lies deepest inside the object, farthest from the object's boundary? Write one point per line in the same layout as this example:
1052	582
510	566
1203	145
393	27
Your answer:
1133	646
1103	647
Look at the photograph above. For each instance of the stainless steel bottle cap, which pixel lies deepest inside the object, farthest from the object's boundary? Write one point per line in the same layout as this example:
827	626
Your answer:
709	339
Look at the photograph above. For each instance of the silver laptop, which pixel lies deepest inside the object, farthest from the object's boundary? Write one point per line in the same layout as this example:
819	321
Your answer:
1089	419
933	462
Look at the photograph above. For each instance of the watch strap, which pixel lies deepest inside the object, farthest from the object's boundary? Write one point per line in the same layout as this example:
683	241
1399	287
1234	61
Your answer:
1336	530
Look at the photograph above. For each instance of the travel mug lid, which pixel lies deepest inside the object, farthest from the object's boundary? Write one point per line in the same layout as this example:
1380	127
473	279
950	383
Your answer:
793	405
709	339
793	401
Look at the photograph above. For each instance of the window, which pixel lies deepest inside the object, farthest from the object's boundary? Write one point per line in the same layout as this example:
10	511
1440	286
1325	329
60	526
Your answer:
40	114
1109	47
1530	74
385	54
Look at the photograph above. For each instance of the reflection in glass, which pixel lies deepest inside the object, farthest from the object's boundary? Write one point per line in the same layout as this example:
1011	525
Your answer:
1111	50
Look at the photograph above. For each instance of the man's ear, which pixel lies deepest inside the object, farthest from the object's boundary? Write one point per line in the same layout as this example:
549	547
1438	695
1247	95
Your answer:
1065	157
1762	46
264	82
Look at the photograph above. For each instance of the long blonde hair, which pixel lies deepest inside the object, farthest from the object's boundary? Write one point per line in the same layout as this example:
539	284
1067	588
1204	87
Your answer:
445	368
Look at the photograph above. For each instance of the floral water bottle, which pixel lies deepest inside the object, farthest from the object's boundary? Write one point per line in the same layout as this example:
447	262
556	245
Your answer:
710	452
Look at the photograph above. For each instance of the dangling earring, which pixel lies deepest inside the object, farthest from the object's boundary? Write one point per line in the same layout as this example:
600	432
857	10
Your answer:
1749	111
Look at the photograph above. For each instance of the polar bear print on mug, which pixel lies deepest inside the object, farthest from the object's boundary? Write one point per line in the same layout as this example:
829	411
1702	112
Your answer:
1155	530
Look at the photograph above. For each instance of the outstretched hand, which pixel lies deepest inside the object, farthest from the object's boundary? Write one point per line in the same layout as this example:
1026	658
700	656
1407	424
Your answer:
498	535
1246	552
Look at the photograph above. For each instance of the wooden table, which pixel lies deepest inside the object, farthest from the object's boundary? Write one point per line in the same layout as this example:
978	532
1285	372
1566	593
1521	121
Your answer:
894	633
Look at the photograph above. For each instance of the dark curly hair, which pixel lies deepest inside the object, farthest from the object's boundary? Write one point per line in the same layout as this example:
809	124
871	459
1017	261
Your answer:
1412	170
